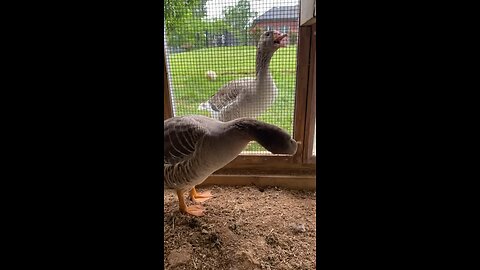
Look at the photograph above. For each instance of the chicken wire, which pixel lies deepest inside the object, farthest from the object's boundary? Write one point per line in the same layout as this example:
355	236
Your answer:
212	45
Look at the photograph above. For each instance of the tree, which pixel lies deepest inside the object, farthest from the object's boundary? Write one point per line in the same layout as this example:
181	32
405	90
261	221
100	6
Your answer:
177	12
184	23
201	10
255	34
238	18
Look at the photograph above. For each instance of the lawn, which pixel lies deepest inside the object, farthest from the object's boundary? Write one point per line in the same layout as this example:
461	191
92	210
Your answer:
191	87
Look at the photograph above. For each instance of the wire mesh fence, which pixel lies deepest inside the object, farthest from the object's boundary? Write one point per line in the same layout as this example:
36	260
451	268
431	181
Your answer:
233	58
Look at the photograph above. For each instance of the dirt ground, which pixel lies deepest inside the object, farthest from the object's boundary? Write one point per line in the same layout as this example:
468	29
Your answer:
243	228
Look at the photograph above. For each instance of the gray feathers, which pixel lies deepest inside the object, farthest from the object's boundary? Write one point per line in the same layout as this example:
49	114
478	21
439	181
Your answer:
196	146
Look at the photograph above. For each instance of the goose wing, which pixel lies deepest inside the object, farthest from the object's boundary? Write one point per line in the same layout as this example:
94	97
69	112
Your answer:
230	93
181	136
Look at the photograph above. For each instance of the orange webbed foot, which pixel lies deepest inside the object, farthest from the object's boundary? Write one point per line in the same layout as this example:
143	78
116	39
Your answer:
194	210
200	197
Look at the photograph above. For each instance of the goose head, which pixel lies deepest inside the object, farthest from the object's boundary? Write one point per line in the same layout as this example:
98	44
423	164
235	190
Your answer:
271	137
271	41
276	141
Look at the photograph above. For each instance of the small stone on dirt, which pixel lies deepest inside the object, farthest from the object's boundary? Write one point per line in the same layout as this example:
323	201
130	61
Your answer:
179	256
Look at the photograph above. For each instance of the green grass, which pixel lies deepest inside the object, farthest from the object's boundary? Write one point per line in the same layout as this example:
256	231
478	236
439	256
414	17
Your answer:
191	86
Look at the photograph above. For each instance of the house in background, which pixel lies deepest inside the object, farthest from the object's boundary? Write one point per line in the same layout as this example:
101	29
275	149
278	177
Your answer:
284	19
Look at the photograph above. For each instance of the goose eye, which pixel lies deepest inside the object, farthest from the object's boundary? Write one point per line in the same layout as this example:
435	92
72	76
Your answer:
268	34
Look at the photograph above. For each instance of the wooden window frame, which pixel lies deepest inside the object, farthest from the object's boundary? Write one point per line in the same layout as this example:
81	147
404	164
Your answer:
302	163
310	113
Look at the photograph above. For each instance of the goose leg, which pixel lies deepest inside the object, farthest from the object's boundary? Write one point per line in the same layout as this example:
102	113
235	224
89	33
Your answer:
194	210
200	197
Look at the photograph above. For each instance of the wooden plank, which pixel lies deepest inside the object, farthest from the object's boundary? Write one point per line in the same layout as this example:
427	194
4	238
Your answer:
267	163
291	182
269	170
311	102
167	101
303	60
307	12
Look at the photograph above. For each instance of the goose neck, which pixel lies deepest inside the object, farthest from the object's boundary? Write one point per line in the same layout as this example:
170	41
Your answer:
263	62
244	128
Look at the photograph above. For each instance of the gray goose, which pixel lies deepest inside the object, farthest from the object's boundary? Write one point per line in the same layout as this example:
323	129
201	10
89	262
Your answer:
196	146
248	97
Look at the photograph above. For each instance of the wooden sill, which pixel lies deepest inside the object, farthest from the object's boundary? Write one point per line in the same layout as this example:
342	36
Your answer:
307	182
